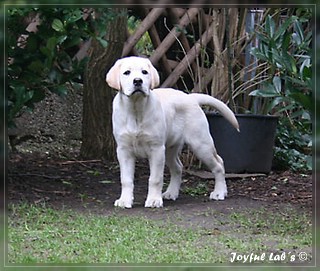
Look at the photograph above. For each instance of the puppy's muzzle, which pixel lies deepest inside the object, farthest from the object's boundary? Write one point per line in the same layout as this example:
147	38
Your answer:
137	83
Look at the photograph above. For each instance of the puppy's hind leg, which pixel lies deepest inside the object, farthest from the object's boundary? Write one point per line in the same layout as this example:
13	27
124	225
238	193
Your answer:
204	149
175	167
220	190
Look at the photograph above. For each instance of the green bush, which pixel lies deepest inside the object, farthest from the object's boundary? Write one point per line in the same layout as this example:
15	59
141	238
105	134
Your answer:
44	60
286	47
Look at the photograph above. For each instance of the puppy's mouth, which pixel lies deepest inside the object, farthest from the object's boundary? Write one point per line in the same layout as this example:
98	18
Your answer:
137	91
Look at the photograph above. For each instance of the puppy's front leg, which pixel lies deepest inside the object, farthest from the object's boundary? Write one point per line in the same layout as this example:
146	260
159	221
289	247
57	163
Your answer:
156	161
127	164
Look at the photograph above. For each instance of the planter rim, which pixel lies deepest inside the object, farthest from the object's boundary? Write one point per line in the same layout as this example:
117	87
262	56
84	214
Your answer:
244	115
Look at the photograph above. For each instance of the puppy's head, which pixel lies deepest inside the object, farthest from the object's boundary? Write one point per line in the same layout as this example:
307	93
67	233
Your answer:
133	75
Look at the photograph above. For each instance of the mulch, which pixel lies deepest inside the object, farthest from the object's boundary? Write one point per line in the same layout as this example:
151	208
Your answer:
40	178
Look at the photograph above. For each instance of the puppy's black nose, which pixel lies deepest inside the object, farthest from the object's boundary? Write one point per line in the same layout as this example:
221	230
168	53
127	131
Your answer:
137	82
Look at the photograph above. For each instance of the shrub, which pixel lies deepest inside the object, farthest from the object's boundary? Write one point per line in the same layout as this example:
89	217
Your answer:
286	47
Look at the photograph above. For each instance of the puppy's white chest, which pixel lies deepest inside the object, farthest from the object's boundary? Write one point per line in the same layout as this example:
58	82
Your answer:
138	138
139	127
139	143
140	146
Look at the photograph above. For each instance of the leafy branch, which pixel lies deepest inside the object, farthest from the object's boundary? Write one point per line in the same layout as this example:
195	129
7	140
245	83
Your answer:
42	48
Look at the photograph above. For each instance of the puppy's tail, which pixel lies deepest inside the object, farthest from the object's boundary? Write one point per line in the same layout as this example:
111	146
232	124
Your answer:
225	111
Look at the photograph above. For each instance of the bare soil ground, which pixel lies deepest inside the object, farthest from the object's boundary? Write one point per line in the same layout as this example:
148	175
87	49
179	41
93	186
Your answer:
95	185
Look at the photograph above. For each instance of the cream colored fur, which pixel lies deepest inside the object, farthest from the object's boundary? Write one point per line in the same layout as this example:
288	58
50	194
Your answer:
155	124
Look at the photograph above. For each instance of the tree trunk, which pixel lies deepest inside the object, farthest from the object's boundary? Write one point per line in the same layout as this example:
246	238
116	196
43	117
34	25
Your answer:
97	138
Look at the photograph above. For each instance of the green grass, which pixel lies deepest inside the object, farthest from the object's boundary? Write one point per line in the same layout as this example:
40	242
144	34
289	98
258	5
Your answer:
39	234
260	231
200	190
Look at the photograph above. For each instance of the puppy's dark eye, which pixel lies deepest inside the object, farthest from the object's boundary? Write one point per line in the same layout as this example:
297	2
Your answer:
144	72
126	73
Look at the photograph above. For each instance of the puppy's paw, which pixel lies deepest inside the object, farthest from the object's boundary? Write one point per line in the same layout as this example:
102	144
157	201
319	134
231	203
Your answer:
153	203
219	194
171	195
123	203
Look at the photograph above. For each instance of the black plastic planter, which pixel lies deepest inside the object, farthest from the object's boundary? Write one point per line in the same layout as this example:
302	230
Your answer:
249	151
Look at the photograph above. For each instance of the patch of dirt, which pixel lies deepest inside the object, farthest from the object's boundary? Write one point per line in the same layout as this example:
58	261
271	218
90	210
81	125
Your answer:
53	127
94	185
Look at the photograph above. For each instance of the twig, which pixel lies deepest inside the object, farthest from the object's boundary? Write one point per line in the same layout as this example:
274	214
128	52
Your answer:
254	198
283	214
262	199
37	175
304	197
55	192
299	183
80	162
181	46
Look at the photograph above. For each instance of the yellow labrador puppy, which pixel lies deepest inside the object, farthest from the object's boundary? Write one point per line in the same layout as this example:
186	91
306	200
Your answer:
154	124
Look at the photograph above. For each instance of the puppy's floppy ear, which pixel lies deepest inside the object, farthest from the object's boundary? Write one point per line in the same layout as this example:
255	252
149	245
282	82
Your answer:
113	75
155	80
